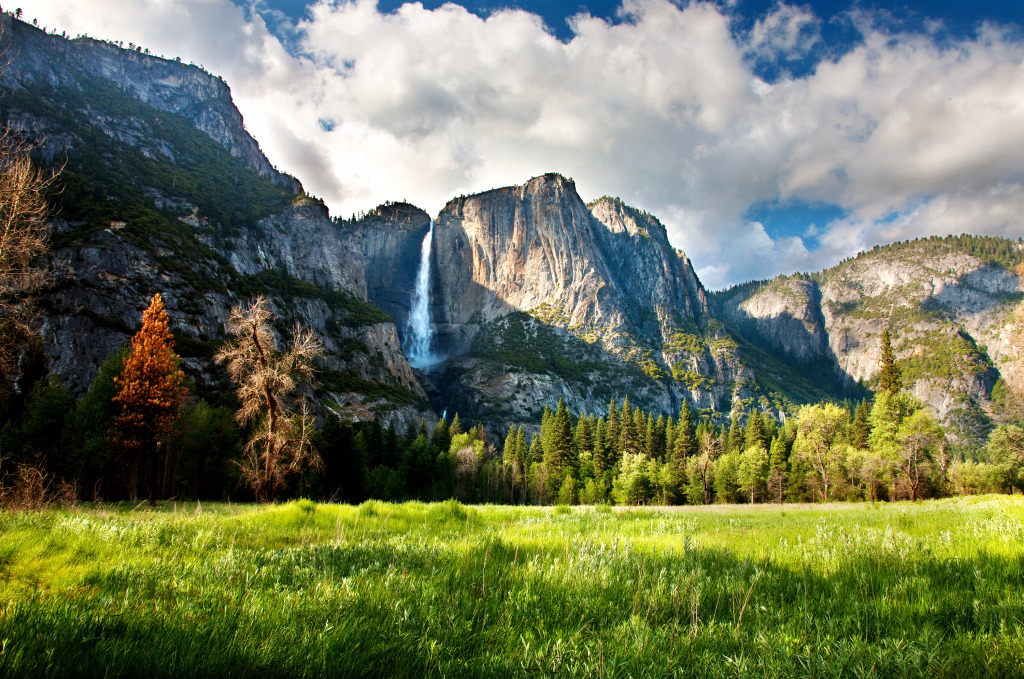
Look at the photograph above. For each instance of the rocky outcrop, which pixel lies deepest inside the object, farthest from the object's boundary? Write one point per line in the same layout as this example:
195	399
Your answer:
138	216
602	275
948	310
186	90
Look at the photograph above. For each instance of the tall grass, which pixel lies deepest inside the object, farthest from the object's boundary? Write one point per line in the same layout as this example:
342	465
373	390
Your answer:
445	590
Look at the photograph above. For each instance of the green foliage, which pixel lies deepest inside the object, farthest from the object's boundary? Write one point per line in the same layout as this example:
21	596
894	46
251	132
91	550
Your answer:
167	154
356	312
519	341
343	382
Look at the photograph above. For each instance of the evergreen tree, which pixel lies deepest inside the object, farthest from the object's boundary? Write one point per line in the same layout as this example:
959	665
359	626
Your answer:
442	438
627	431
890	377
558	452
684	447
583	438
456	427
734	443
150	391
601	463
754	435
613	433
657	439
860	429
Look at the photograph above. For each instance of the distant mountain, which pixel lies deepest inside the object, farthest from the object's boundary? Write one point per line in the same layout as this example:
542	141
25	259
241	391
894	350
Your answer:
948	302
535	296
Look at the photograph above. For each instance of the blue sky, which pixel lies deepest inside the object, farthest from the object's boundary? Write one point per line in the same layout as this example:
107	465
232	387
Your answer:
768	136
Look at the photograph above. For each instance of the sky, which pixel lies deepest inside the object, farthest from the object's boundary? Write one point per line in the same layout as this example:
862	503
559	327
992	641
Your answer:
768	137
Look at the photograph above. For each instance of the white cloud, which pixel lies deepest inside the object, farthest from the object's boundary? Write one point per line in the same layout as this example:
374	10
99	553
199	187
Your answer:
786	32
909	135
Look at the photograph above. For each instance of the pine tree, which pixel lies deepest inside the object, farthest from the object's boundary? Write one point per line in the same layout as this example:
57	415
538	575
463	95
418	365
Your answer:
558	451
754	436
627	431
860	429
734	443
583	438
442	438
614	431
601	464
890	377
150	393
657	440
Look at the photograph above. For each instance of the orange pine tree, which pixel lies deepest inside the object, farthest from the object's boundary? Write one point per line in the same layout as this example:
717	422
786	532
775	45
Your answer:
150	392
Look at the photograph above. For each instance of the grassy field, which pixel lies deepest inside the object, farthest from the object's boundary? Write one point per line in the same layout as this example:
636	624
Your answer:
928	590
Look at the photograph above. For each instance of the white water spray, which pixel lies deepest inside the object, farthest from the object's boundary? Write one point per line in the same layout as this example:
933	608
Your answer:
420	332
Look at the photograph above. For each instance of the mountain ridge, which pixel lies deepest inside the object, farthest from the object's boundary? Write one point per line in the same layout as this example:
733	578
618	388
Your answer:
536	295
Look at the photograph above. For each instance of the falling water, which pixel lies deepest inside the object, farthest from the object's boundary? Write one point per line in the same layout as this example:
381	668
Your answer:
420	334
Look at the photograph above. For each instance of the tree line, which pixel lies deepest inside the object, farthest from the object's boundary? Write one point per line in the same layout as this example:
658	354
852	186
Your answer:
138	433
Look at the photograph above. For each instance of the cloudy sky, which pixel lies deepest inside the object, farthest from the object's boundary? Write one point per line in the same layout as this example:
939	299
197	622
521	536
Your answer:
768	137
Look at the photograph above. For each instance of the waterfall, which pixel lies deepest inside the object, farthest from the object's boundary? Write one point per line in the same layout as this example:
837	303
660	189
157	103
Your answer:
420	330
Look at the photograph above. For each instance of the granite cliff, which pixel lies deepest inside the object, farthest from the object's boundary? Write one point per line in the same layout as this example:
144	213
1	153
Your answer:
163	190
535	295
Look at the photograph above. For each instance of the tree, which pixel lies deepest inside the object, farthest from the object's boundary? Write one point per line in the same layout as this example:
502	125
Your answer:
918	436
1006	454
860	428
279	445
558	449
700	468
150	392
778	464
818	441
23	212
890	377
753	472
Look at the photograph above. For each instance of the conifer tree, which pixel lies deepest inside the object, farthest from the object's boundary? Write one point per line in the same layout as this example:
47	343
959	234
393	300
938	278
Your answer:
754	435
684	447
601	464
860	428
657	439
734	443
442	438
613	433
558	451
627	431
150	391
583	437
890	377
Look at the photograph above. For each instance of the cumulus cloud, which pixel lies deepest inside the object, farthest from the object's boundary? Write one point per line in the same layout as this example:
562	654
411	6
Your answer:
786	32
907	134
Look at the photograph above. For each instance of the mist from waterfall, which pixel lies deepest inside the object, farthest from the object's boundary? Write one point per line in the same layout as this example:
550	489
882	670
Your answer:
419	338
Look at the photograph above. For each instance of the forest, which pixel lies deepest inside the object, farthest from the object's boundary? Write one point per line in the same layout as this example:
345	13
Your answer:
141	433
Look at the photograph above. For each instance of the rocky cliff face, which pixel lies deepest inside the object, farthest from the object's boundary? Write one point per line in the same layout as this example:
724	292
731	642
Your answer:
530	271
164	191
536	296
204	99
948	305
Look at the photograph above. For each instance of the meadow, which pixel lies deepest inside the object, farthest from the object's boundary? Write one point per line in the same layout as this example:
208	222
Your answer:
932	589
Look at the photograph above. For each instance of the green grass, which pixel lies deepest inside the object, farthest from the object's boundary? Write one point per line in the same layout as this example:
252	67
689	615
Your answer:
928	590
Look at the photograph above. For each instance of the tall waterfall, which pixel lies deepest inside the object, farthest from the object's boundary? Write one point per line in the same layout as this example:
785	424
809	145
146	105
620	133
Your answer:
420	331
